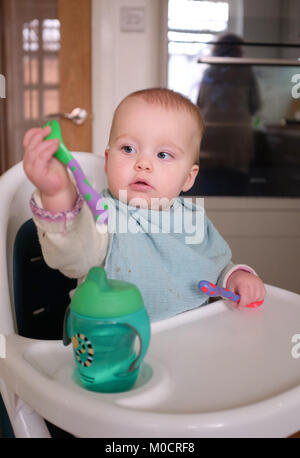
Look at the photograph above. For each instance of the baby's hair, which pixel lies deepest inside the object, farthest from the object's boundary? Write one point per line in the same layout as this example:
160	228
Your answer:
168	98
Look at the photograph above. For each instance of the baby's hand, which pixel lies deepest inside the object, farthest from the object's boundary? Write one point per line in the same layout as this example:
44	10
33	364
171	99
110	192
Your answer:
248	286
46	172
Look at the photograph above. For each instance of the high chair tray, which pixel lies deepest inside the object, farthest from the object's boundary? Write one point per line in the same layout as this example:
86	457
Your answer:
213	371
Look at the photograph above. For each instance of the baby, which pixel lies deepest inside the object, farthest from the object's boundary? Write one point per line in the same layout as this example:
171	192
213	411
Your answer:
152	156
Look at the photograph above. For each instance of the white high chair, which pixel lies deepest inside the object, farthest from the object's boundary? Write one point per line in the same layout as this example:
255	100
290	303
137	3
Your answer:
208	372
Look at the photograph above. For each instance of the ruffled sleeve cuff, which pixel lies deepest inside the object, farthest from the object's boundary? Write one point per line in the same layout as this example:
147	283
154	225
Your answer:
53	222
234	268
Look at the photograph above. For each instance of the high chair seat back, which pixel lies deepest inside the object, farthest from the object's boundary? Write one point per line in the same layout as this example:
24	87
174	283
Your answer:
41	294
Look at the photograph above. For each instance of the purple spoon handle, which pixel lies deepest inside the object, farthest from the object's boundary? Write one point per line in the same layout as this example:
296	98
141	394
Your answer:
212	290
94	200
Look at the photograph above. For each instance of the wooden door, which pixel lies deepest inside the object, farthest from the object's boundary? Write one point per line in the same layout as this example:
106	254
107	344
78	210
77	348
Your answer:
75	70
47	65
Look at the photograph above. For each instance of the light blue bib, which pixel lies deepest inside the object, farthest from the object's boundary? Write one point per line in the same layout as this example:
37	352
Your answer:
165	254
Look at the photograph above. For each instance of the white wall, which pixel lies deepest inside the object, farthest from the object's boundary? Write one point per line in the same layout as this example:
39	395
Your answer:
123	62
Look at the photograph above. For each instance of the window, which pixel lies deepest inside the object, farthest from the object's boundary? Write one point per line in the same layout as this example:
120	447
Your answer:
192	25
41	41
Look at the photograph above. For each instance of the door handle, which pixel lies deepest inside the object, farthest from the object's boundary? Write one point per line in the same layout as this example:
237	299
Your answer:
77	115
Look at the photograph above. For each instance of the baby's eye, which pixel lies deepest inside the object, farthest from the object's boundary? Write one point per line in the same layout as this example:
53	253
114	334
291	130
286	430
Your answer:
128	149
163	155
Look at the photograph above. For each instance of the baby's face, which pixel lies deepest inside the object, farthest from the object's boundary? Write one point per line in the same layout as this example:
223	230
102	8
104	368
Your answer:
151	152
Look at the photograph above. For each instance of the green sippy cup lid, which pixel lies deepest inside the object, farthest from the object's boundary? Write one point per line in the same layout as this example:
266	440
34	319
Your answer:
100	297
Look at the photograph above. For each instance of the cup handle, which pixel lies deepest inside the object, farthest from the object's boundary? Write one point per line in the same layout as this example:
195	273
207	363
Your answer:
141	327
132	365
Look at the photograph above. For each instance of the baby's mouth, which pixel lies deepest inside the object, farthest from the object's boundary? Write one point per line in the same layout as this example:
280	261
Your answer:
140	185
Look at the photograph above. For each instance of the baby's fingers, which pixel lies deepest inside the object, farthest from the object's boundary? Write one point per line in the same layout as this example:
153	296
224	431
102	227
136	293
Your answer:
35	136
36	162
252	298
28	136
259	297
45	153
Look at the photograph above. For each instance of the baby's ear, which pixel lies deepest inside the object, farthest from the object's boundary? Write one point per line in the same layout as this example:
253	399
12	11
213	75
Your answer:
106	157
191	178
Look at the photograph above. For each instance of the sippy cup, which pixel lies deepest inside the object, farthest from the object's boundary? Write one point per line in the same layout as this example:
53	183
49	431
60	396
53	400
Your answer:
102	322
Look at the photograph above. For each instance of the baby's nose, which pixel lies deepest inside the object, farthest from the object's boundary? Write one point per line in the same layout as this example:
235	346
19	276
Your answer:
143	163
